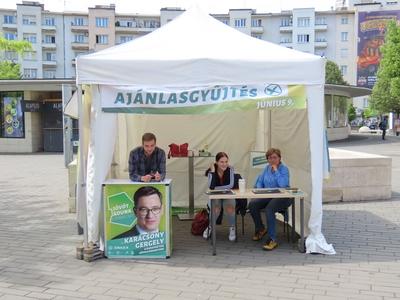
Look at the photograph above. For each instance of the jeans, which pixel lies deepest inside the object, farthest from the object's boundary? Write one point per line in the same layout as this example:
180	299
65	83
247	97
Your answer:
229	209
271	207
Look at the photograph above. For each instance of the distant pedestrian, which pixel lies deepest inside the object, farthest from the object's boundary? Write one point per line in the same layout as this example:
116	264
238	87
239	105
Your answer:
383	126
397	126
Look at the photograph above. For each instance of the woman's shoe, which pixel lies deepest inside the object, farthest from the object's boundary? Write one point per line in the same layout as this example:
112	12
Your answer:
232	234
207	233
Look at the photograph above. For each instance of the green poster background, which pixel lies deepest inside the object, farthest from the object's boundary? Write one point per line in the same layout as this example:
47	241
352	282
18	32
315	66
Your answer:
119	218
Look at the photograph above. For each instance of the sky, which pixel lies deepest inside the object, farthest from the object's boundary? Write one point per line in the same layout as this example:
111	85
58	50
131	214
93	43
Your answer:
153	6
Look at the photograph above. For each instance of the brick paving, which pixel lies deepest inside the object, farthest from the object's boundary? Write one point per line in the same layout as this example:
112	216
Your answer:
38	239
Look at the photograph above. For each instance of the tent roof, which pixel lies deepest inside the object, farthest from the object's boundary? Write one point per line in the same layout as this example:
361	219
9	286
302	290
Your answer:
197	50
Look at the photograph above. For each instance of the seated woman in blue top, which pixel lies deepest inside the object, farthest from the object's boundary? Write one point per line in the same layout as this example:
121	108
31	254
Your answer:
275	175
221	176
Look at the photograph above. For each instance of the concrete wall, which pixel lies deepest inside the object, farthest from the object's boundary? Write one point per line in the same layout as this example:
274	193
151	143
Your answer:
357	176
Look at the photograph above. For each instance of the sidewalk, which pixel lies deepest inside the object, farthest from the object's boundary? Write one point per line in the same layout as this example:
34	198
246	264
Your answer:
38	239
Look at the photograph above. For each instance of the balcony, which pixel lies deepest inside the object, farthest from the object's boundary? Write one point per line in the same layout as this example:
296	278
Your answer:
49	63
80	45
79	28
126	29
258	29
284	28
48	45
321	44
49	27
321	27
10	26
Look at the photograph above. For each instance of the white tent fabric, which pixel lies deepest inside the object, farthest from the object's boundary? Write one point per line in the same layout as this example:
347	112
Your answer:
197	50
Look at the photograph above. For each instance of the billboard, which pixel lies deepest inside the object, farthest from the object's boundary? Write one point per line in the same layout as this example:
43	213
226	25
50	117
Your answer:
371	36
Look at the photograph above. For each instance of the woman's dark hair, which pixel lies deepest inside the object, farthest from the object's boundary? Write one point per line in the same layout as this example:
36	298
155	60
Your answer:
221	155
217	158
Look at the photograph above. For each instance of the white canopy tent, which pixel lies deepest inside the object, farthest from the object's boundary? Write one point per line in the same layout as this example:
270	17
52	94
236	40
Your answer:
195	50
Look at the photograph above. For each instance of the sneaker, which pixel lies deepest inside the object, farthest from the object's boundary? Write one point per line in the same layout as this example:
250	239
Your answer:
259	234
232	234
207	233
270	245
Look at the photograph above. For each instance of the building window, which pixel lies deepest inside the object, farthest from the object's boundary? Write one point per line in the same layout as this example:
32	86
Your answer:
286	22
10	55
11	116
151	24
257	36
9	19
225	21
30	73
78	21
344	20
79	38
343	70
344	53
49	56
303	38
49	39
344	36
286	40
49	21
240	22
10	36
101	22
320	21
256	23
303	22
30	37
30	55
101	39
320	39
49	74
125	38
28	20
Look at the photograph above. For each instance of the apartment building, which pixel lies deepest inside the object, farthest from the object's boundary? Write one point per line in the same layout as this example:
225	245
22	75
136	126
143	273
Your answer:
58	38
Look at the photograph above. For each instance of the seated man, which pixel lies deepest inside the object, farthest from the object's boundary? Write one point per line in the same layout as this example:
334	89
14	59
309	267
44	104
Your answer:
147	162
275	175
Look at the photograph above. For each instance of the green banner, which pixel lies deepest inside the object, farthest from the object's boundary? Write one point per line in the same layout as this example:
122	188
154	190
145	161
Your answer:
202	100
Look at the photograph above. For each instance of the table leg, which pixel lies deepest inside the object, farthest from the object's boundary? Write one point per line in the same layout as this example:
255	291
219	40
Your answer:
213	229
190	215
301	246
293	220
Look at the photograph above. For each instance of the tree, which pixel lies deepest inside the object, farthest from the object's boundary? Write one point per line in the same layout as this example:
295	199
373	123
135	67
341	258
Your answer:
386	92
9	69
333	74
351	112
369	112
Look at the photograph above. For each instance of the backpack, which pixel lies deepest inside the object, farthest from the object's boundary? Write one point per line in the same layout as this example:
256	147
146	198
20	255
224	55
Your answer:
200	222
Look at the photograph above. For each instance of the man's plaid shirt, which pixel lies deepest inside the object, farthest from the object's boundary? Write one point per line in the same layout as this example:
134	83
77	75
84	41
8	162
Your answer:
138	162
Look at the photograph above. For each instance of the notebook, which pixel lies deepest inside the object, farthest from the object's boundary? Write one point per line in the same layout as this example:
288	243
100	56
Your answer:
266	191
219	192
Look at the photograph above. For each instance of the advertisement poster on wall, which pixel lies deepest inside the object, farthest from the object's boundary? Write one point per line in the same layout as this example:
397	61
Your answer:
12	115
137	220
371	35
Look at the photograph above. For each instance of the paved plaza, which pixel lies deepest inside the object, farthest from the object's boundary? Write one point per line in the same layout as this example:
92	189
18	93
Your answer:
38	239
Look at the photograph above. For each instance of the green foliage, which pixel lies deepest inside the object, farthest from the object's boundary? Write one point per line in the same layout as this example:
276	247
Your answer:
18	46
8	69
386	92
333	74
369	112
351	112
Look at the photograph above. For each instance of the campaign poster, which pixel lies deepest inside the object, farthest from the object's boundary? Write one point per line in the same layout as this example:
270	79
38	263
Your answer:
12	115
137	220
371	36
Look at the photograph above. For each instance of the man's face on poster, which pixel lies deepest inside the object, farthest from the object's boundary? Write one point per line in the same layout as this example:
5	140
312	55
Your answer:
149	212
